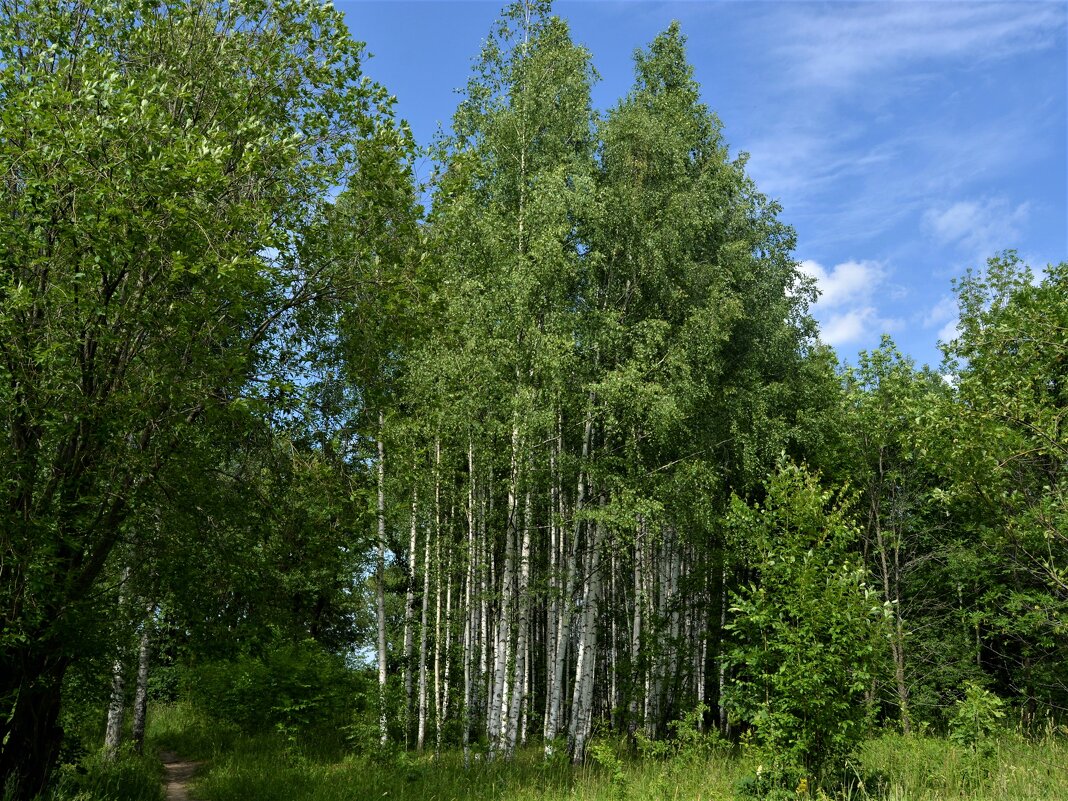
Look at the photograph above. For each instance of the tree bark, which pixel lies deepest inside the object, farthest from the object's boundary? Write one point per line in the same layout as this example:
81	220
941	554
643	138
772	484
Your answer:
409	612
116	710
586	655
31	734
117	702
505	625
420	738
380	584
140	710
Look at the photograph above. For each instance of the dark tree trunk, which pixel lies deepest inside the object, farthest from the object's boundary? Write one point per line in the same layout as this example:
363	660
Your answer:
32	734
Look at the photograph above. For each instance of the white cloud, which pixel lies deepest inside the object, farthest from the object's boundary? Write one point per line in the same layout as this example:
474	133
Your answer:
861	325
844	308
979	227
844	329
850	282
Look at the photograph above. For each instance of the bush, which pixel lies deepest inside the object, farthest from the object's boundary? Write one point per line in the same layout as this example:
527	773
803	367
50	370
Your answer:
294	689
807	634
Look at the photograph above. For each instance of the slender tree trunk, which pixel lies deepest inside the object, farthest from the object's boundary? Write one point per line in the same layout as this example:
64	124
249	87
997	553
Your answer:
519	679
586	654
554	600
448	641
140	709
380	583
116	710
636	629
505	624
485	634
724	725
420	739
409	611
117	702
437	595
469	605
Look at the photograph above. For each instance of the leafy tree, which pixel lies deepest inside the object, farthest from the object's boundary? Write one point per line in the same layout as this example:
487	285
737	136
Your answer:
697	318
807	626
160	164
1004	448
886	399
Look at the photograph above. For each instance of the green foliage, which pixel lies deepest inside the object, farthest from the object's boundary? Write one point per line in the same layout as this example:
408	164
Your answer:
1002	444
295	689
605	753
807	628
163	164
977	717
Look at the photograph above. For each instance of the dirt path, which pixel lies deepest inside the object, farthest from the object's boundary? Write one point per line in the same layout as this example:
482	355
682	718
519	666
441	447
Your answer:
178	773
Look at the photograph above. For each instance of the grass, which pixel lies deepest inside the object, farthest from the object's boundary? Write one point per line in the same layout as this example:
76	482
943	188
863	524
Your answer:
258	770
933	769
270	767
128	778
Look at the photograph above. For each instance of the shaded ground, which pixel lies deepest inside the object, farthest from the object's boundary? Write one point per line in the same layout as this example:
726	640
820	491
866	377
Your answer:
179	772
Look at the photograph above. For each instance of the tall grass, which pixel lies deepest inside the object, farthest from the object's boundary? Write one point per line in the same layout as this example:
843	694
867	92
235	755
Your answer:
273	767
260	770
188	731
933	769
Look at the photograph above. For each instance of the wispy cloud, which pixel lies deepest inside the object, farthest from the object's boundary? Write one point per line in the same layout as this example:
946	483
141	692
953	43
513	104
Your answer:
945	309
949	331
943	315
978	227
839	45
834	155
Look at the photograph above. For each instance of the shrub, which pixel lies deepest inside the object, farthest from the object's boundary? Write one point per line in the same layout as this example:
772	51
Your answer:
976	718
295	689
807	632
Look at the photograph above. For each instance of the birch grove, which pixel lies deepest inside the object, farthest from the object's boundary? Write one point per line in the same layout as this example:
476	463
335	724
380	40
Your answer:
594	361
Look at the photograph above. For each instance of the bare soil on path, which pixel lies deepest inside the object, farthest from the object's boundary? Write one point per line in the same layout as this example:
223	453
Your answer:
179	772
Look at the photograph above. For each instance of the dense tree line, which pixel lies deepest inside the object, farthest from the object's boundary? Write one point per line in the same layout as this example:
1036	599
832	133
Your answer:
563	451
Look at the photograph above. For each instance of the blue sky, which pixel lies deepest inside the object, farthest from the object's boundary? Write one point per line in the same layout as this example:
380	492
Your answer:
906	141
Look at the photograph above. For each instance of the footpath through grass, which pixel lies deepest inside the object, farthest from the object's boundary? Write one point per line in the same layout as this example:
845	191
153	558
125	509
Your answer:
272	767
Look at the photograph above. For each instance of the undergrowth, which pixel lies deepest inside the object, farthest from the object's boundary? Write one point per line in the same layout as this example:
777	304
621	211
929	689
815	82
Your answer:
275	766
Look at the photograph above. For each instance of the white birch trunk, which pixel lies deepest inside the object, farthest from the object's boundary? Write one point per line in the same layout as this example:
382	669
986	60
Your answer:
636	627
140	707
522	625
469	605
409	611
437	595
116	710
448	642
380	584
724	725
563	629
420	739
117	702
552	611
586	652
499	697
